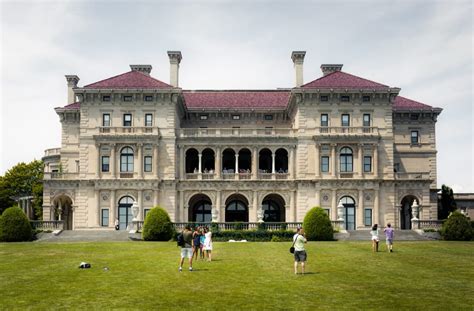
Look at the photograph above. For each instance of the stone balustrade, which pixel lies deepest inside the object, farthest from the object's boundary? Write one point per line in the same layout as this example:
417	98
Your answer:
128	130
47	224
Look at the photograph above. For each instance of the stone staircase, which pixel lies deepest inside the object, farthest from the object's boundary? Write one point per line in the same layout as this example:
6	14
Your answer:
364	235
89	236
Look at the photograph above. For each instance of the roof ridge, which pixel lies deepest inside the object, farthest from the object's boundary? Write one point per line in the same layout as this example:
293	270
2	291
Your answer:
127	73
346	74
100	81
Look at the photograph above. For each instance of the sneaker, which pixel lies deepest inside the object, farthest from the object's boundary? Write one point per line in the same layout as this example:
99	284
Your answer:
190	269
180	269
391	251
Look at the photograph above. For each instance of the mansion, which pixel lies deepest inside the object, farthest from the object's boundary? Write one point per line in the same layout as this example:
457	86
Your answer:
340	142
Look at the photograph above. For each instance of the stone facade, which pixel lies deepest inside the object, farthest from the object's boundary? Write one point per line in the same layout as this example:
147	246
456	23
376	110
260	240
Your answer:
266	155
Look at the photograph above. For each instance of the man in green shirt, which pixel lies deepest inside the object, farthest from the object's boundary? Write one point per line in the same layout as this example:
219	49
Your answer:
300	252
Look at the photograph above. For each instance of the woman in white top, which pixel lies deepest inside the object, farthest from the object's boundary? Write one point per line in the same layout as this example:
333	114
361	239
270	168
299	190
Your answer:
375	238
208	244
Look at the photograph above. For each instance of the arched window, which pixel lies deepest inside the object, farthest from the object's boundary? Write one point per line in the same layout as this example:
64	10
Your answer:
236	211
202	212
271	211
346	159
126	160
125	212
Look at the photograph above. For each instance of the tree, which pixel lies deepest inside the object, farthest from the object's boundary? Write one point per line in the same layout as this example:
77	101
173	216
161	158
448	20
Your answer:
14	226
448	204
317	225
23	180
457	228
157	226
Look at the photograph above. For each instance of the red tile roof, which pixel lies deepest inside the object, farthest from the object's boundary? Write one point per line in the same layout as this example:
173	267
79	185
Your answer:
236	99
131	79
76	105
402	103
339	79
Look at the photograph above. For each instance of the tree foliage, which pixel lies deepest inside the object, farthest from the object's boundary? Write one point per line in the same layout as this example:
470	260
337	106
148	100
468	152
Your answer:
15	226
23	179
317	225
157	226
457	228
448	204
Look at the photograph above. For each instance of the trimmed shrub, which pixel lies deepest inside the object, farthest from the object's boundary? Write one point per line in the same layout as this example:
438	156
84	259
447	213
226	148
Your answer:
157	226
457	228
15	226
317	225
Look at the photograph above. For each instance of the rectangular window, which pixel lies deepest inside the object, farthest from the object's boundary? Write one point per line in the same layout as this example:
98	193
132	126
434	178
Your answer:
414	137
345	98
106	98
324	119
324	98
236	117
148	119
147	164
324	164
127	119
327	210
145	212
104	218
366	98
414	117
105	163
368	217
366	119
127	98
148	98
204	117
268	117
345	120
367	164
106	119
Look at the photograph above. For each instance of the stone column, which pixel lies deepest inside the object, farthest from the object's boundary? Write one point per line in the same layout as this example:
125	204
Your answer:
254	163
317	197
156	160
255	208
177	217
218	206
112	161
60	210
291	168
333	205
333	158
293	211
236	166
317	161
99	164
376	161
181	163
218	166
97	200
360	171
360	209
112	209
376	207
155	198
140	205
273	165
200	165
140	160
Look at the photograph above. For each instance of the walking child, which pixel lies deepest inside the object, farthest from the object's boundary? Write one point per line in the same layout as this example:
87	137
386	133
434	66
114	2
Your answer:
389	237
375	238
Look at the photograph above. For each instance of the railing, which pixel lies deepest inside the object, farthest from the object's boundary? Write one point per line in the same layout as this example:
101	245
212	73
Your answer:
264	175
245	175
232	132
118	130
423	175
228	175
126	175
47	224
348	130
58	175
52	152
427	224
207	176
222	226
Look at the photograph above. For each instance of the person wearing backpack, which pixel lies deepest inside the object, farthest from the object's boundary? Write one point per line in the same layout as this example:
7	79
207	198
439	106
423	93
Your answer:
187	248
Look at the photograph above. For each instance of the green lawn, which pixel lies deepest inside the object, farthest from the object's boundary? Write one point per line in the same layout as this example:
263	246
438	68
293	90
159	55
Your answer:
144	275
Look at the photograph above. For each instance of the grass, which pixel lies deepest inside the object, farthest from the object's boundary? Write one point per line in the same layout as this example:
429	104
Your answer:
256	276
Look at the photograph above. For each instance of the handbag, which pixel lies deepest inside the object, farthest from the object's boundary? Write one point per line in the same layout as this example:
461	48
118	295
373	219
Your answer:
292	248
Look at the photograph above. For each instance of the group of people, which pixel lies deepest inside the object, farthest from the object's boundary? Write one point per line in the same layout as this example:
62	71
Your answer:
196	242
389	233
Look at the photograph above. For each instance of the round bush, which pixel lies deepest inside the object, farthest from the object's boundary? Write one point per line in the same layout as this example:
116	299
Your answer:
157	226
457	228
317	225
15	226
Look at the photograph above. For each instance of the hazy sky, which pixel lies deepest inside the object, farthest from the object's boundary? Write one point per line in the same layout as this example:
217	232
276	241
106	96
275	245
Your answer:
423	47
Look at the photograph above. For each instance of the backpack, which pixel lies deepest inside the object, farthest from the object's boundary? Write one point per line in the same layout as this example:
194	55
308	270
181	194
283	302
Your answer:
180	239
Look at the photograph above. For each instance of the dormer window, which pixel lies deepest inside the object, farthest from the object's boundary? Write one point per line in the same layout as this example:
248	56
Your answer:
324	98
268	117
366	98
345	98
203	117
106	98
148	98
236	117
127	98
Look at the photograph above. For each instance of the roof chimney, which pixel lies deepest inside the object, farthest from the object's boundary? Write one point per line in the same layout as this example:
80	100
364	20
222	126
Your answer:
175	59
298	59
71	84
146	69
330	68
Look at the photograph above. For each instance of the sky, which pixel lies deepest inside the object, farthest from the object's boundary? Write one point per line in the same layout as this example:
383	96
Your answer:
423	47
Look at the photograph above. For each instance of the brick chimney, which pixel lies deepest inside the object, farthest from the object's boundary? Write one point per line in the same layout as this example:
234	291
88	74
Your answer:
72	81
330	68
146	69
175	59
298	59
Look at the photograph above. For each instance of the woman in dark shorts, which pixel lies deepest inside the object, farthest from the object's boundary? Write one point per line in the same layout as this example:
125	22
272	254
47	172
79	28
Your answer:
196	242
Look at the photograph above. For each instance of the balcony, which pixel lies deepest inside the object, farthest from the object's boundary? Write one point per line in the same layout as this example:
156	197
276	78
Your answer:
412	176
52	152
235	132
58	175
347	130
128	130
240	176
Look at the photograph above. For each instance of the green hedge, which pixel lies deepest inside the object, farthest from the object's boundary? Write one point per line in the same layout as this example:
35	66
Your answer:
157	226
457	228
253	235
15	226
317	225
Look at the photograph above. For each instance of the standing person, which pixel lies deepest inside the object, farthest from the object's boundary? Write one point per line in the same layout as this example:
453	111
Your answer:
375	238
117	224
201	242
389	237
299	240
208	244
196	242
186	250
